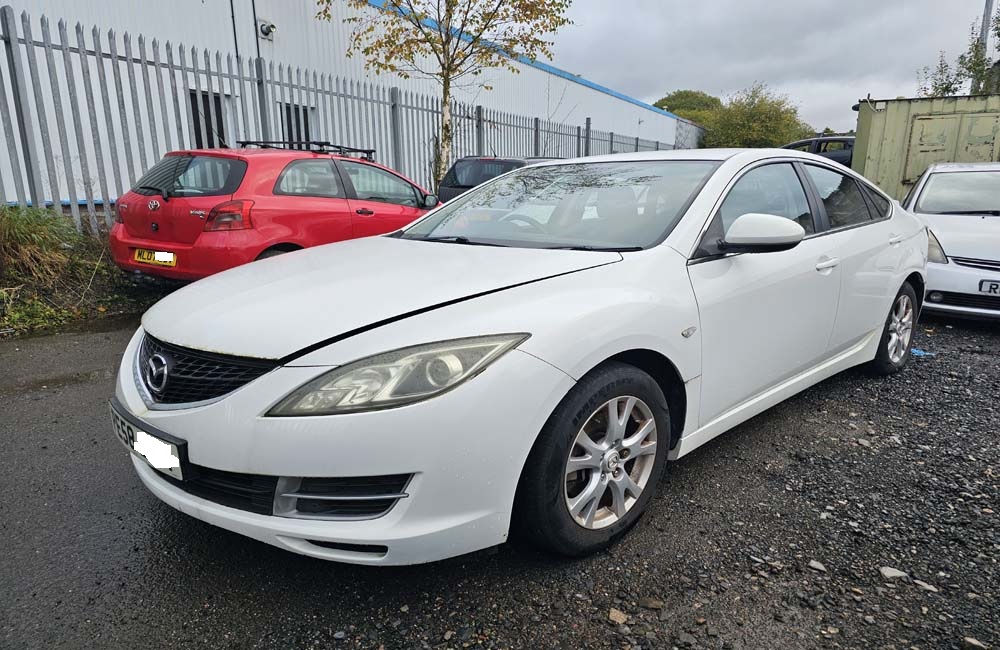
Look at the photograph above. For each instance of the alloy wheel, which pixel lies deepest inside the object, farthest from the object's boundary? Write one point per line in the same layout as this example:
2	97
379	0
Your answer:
610	462
900	328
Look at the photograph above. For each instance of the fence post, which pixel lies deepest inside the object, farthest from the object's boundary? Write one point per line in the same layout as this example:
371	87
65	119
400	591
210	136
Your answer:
611	142
395	128
22	110
480	132
586	137
657	145
538	137
579	141
637	143
265	128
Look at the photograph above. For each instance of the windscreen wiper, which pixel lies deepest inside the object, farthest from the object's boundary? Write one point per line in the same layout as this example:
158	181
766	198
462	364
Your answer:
599	249
992	213
458	239
162	192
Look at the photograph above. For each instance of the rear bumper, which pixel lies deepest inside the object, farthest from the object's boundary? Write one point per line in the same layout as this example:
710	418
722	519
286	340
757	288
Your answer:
211	253
959	286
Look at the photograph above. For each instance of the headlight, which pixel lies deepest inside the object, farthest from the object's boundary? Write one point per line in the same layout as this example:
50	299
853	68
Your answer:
934	251
396	378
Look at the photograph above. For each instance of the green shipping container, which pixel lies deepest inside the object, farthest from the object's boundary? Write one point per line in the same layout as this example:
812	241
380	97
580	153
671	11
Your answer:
897	139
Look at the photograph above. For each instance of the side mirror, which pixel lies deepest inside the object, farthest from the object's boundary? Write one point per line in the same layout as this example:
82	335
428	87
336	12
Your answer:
762	233
430	201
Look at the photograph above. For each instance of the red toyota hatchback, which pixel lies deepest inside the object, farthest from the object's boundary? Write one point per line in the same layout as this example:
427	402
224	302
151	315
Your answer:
199	212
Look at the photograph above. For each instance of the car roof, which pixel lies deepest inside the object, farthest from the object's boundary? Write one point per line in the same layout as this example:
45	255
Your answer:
673	154
964	167
509	158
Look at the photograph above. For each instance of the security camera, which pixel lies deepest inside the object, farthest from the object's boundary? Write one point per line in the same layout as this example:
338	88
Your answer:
267	29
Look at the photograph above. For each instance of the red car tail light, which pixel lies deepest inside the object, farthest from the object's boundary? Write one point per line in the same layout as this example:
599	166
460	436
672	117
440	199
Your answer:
231	215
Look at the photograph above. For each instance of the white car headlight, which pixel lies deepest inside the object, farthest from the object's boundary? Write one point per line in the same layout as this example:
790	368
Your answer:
934	251
396	378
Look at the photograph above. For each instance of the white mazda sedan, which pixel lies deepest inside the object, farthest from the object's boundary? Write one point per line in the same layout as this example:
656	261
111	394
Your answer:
528	357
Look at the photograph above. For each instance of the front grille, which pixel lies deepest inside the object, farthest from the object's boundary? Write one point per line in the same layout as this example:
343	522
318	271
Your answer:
250	492
362	497
194	375
989	265
969	300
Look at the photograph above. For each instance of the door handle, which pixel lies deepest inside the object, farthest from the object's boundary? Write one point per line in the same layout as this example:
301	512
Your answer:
365	212
828	263
895	239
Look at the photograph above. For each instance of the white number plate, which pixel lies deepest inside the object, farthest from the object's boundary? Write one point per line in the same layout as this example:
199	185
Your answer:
990	287
160	454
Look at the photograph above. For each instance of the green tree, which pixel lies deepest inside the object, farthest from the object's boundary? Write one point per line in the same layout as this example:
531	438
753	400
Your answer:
755	117
450	42
969	74
683	101
693	105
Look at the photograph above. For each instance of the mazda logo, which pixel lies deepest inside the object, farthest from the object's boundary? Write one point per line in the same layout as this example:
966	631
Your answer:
157	372
153	205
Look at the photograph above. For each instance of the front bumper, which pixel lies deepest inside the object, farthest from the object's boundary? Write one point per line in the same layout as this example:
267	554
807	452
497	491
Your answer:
465	450
959	289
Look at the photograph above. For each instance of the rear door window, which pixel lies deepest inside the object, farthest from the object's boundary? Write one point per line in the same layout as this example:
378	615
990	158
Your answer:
192	176
841	196
833	145
310	178
879	204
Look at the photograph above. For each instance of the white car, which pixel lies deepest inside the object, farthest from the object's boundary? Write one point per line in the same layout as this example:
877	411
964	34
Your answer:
960	202
529	356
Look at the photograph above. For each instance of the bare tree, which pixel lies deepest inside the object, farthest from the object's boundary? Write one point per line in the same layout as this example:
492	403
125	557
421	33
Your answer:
450	41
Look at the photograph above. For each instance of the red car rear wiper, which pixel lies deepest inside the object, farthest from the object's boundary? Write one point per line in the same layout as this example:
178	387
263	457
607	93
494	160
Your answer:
162	192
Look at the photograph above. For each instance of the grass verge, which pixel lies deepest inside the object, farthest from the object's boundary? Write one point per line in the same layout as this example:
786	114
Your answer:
51	276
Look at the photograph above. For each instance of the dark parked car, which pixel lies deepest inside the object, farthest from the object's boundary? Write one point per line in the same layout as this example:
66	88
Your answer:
835	147
470	171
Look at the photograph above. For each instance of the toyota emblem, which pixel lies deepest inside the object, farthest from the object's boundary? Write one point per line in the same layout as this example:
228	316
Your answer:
153	205
157	371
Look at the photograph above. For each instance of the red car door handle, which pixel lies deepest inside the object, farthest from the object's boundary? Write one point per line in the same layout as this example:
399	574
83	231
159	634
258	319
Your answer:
365	212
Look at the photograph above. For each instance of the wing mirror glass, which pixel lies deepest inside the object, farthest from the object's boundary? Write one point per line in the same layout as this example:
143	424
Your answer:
762	233
430	201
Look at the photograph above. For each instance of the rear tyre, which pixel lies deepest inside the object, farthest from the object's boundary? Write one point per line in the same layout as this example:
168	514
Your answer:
897	335
596	463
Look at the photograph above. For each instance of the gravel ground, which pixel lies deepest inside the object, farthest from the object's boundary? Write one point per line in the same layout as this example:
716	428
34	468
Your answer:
859	514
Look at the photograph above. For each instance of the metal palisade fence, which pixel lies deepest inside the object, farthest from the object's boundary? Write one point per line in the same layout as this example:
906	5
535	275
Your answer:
84	112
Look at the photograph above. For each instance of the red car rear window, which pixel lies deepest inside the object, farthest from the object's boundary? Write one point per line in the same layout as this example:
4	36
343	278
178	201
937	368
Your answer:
192	176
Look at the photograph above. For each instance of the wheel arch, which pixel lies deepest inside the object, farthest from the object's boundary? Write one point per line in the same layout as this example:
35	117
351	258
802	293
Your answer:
666	375
284	247
916	281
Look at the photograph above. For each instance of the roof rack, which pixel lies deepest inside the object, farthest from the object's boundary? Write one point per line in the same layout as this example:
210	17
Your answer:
316	146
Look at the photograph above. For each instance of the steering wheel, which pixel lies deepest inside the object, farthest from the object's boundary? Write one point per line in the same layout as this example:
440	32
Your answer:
532	223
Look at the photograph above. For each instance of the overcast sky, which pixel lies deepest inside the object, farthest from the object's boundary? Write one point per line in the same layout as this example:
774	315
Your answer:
824	54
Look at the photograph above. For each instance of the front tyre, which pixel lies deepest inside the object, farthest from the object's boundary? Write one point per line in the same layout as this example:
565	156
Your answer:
596	463
897	335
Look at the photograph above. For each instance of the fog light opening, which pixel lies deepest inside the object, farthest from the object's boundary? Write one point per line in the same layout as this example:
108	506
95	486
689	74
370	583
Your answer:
935	296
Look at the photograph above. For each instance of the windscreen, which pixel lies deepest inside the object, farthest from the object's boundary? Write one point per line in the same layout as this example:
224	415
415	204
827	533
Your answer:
961	193
469	173
585	205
